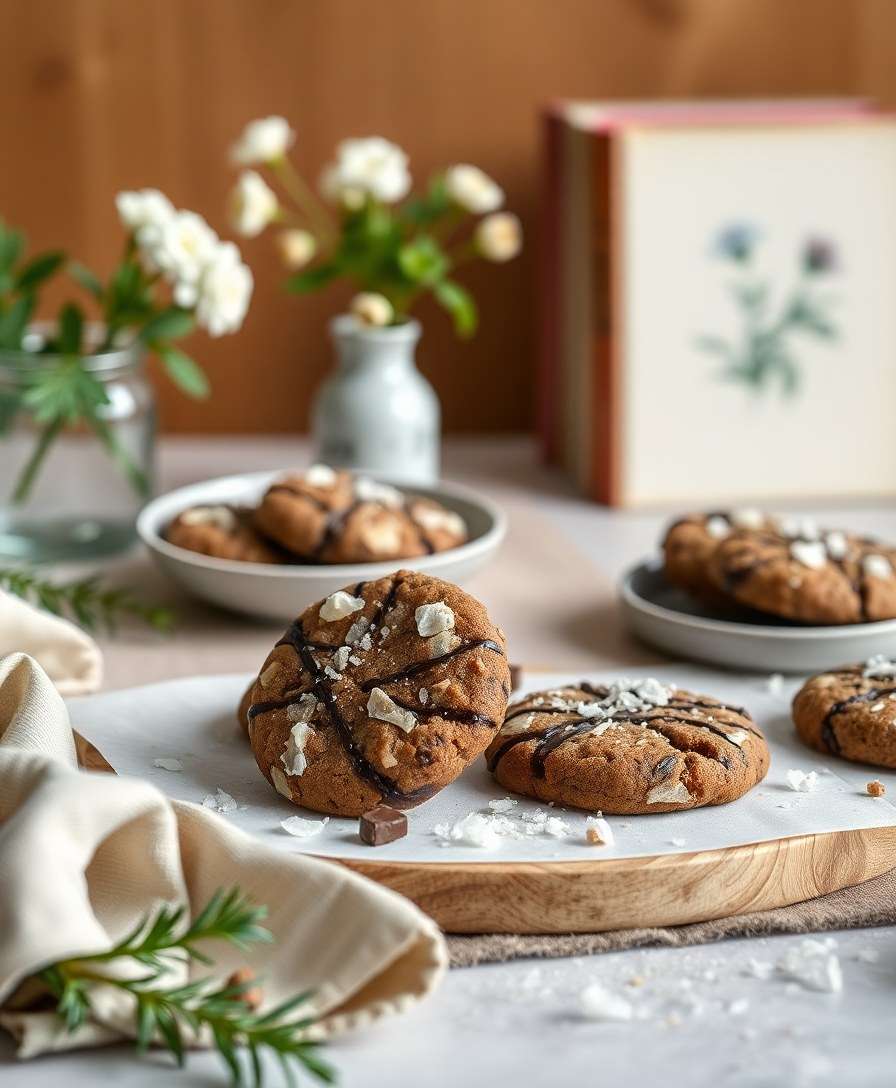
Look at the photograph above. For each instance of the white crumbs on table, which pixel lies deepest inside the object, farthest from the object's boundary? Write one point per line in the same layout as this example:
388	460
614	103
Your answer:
800	781
220	801
300	828
168	763
488	830
599	1003
814	965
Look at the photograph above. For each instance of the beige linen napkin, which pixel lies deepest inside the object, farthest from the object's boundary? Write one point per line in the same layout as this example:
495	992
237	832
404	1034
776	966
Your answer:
84	856
67	654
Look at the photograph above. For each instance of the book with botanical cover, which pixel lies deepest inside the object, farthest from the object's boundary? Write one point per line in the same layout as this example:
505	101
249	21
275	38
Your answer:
717	316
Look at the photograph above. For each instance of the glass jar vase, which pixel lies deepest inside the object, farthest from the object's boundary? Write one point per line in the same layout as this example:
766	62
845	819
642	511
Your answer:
72	481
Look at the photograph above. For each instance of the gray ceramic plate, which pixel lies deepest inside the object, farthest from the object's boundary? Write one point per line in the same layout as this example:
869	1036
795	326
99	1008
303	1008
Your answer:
670	620
274	592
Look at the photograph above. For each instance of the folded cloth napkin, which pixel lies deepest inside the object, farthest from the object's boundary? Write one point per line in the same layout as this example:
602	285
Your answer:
67	654
84	856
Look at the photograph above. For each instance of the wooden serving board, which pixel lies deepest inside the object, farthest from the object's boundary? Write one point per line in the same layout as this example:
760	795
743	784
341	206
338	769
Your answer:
600	895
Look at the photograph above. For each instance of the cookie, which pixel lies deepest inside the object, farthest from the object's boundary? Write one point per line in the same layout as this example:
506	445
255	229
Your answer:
689	544
382	693
800	573
326	516
628	748
851	712
224	532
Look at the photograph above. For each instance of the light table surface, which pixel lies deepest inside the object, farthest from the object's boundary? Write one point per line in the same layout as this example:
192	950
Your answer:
700	1018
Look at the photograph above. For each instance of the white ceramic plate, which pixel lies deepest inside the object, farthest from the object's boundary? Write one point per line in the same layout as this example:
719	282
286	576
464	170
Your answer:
669	619
279	592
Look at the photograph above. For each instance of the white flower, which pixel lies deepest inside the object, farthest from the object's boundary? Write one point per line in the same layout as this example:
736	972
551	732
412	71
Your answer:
372	309
253	204
332	188
263	141
371	165
143	208
224	291
296	247
185	246
499	237
473	189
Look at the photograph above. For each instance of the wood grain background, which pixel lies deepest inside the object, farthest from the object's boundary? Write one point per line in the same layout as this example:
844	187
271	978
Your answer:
98	95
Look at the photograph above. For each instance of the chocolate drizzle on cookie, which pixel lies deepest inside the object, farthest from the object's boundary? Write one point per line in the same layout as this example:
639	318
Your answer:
828	735
657	718
422	666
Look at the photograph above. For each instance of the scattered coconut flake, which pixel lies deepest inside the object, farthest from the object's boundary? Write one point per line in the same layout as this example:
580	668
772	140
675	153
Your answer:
168	763
813	965
879	666
810	553
669	794
761	969
340	658
267	676
433	619
357	630
556	827
502	804
598	832
474	829
442	643
220	517
280	783
837	545
331	673
800	781
339	605
372	491
738	737
381	706
747	518
365	643
718	527
302	710
293	756
599	1003
354	659
300	828
320	476
876	566
220	801
423	696
677	842
775	684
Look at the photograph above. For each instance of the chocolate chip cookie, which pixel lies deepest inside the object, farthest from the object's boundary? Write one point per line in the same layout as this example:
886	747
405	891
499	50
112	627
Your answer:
326	516
383	692
628	748
851	712
801	573
689	544
224	532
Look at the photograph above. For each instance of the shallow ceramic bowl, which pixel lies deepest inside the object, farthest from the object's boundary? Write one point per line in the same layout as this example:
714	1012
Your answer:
279	592
669	619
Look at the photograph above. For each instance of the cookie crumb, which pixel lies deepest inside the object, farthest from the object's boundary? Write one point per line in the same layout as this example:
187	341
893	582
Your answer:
598	832
876	789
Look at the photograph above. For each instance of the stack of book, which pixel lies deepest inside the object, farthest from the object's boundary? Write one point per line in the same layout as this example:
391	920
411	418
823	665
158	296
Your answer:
717	294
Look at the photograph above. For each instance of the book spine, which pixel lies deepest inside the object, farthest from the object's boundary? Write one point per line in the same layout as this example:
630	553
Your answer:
604	409
550	287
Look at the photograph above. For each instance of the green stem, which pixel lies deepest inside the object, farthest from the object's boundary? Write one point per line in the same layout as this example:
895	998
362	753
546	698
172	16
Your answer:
135	475
29	473
296	186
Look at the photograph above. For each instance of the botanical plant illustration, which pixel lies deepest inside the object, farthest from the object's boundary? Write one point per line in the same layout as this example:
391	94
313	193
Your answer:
766	350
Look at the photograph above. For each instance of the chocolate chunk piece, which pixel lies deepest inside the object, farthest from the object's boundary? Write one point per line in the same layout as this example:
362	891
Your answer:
381	825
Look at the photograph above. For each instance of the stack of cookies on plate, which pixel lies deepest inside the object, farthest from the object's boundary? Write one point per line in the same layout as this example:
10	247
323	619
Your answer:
321	516
783	567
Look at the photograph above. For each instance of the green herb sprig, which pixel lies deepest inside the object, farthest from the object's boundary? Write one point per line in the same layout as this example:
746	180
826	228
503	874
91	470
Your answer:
159	943
88	601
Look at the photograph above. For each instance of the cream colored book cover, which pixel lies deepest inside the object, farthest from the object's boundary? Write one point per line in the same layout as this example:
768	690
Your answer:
757	312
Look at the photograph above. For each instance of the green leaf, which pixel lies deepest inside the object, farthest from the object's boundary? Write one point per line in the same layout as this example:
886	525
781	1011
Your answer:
427	209
169	324
71	327
83	276
312	279
423	261
14	322
66	392
12	242
10	403
459	304
38	270
185	372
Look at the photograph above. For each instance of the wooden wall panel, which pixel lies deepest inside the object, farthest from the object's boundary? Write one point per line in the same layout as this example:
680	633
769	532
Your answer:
98	95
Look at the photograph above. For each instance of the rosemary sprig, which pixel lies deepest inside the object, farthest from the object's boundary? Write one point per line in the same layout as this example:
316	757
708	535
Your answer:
87	600
226	1011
